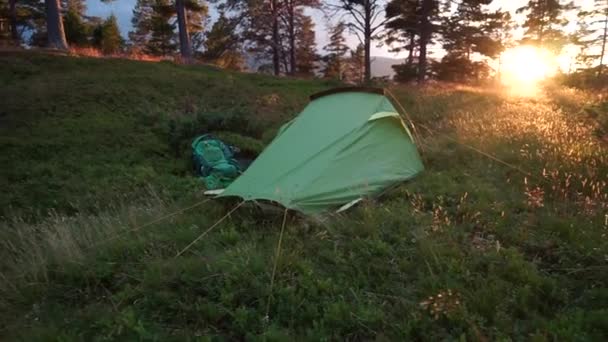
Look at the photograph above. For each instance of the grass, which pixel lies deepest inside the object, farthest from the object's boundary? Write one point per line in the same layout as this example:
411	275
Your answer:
471	249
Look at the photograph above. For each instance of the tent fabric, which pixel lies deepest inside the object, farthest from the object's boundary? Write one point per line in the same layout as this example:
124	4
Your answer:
332	154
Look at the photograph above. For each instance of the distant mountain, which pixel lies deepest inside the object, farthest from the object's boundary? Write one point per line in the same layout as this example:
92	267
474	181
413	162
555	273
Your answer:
382	66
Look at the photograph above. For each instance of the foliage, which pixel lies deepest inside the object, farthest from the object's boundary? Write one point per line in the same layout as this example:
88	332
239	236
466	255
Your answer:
544	23
223	44
355	67
412	25
306	47
403	27
365	20
76	31
592	34
405	72
470	250
337	49
269	29
154	25
471	30
110	41
162	39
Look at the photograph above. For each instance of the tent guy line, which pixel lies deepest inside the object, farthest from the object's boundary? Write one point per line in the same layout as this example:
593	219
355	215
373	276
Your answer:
150	223
179	211
209	229
276	262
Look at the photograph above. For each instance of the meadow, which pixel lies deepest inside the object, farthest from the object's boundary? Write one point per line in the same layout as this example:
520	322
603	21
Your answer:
504	236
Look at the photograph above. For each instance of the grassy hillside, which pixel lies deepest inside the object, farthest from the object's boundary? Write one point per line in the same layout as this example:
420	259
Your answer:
472	249
79	133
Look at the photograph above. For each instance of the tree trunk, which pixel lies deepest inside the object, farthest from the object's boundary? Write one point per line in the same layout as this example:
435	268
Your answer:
425	35
276	60
292	39
54	26
601	66
185	46
368	42
13	19
410	54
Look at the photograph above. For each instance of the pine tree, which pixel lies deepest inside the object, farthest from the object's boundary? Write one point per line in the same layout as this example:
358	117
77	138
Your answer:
470	31
198	15
154	27
291	18
190	15
260	26
54	26
592	35
111	41
142	23
78	7
185	45
581	38
76	31
337	50
402	27
412	23
427	10
223	44
306	47
366	22
545	23
355	71
162	40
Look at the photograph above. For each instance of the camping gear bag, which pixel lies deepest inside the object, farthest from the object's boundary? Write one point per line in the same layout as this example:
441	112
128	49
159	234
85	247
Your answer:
214	161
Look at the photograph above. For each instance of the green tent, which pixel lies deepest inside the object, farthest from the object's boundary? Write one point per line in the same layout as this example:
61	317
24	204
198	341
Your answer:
347	143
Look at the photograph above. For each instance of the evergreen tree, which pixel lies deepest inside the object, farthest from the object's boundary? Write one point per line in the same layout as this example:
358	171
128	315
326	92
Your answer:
355	71
592	35
142	23
365	23
54	26
545	22
155	23
190	15
306	47
162	41
261	27
198	16
292	16
402	27
76	31
111	41
581	38
337	50
185	45
411	25
223	44
79	7
468	31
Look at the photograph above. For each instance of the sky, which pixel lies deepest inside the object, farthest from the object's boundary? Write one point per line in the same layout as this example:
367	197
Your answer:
123	10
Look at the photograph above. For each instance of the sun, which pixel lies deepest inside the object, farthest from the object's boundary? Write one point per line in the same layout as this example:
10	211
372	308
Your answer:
524	67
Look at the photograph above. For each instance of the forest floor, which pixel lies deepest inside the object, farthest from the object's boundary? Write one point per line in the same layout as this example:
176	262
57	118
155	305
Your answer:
472	249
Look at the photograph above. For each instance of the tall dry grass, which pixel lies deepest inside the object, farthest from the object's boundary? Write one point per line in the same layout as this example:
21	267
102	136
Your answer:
29	252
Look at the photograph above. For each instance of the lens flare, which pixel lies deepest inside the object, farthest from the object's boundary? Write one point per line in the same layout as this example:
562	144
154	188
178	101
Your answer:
524	67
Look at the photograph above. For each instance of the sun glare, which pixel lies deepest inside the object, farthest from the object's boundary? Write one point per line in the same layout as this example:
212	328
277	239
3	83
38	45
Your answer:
524	67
